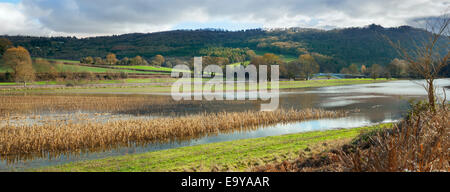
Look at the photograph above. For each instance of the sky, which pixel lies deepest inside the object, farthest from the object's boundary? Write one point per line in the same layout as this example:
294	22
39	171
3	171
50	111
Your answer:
85	18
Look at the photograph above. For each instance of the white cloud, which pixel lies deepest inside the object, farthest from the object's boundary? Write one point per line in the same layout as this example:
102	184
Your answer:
15	22
102	17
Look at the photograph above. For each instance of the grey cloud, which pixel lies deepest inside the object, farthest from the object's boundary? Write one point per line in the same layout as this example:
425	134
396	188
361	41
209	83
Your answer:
114	17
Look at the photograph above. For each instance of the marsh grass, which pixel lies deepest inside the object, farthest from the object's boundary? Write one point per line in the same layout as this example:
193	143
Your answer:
28	105
60	137
420	143
37	104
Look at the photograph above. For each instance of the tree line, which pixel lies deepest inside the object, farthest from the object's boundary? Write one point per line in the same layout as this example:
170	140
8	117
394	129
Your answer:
111	59
20	67
307	65
221	56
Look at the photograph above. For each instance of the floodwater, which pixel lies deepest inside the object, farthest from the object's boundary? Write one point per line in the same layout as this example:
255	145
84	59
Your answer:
370	104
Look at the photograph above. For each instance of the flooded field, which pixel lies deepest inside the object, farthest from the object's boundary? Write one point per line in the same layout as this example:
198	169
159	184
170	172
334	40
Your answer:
367	104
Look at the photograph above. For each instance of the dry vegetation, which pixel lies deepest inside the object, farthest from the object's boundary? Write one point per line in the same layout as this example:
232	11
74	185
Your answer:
36	104
419	143
19	105
27	141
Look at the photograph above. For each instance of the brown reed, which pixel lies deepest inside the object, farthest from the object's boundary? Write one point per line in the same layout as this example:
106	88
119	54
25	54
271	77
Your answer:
37	104
421	144
63	137
34	104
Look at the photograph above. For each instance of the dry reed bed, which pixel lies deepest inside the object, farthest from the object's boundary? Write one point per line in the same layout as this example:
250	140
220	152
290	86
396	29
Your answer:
16	105
421	143
34	104
92	136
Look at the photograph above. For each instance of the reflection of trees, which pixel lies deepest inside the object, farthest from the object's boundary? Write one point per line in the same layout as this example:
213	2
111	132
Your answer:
299	101
380	109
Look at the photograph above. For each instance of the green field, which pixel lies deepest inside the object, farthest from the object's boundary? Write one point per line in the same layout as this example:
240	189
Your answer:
70	66
79	68
239	63
4	69
284	57
163	85
118	81
65	61
239	155
144	67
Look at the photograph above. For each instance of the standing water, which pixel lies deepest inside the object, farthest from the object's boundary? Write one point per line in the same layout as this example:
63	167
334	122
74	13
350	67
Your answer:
372	103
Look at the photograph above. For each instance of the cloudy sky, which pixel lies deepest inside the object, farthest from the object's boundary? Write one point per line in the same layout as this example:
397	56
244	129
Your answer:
84	18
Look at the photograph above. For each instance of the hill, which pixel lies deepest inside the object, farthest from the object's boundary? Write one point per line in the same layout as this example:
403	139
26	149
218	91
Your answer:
337	48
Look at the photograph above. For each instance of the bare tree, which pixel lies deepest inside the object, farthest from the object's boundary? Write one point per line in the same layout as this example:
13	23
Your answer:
426	59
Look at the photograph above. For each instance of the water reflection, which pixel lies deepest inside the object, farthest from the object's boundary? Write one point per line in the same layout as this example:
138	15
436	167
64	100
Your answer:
374	103
263	131
401	87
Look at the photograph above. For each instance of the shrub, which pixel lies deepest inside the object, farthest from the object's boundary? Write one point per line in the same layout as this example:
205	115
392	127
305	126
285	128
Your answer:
87	75
123	75
110	75
70	84
419	143
67	75
6	77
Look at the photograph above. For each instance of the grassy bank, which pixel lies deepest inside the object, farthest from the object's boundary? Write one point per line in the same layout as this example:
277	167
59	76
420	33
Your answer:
239	155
